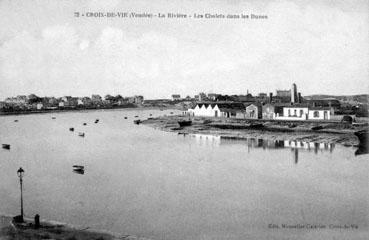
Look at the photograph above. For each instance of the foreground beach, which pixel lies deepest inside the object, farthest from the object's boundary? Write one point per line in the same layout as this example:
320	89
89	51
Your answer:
330	132
53	230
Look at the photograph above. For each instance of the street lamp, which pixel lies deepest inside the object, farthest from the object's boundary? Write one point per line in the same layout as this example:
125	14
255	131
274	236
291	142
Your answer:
20	174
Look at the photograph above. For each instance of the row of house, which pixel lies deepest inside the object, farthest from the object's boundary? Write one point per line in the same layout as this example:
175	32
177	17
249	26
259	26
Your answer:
33	102
258	111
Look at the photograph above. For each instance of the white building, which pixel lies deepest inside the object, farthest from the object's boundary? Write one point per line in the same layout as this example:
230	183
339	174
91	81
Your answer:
227	110
293	113
39	106
319	113
296	113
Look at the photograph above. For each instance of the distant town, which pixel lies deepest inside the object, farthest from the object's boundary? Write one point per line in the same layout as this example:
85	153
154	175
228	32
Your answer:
286	104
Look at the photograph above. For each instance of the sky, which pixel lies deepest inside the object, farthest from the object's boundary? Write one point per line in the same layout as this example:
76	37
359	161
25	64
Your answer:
322	46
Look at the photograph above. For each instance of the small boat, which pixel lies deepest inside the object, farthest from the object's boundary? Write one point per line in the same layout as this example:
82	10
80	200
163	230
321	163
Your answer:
138	121
363	137
97	120
53	118
363	147
71	129
6	146
150	114
136	116
317	128
185	123
84	124
16	120
79	171
81	134
78	166
171	112
125	117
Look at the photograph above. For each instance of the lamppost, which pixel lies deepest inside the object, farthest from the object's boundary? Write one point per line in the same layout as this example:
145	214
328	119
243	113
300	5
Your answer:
20	174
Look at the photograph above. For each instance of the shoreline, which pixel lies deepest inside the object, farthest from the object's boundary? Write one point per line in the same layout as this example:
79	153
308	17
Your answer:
18	113
332	132
55	230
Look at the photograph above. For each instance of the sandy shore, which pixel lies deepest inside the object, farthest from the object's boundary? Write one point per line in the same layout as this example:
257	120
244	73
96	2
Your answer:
54	230
331	132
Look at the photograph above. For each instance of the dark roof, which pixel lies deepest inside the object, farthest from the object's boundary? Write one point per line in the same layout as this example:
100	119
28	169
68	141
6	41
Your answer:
298	105
319	108
332	102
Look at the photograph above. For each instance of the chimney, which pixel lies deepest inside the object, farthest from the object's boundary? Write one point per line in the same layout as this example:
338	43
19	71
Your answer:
300	98
270	97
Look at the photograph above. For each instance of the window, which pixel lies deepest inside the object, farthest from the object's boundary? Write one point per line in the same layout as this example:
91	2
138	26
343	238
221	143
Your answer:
316	114
295	112
289	112
301	112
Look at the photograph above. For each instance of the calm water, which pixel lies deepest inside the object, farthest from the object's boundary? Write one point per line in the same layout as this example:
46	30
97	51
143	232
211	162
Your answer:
147	182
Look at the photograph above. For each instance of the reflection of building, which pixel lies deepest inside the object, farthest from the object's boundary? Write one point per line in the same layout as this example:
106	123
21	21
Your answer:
206	139
309	145
277	144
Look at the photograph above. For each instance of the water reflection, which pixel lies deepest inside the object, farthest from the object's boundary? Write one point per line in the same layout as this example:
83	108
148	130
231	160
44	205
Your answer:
204	139
251	143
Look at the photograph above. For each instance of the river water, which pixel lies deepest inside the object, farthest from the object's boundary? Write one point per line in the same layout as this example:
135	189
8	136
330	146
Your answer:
146	182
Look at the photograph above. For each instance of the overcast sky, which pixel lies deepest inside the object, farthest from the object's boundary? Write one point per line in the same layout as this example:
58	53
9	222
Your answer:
322	46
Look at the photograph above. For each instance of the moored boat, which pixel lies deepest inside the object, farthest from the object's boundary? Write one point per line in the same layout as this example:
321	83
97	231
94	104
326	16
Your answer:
363	137
185	123
363	147
81	134
317	128
138	121
71	129
6	146
78	166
